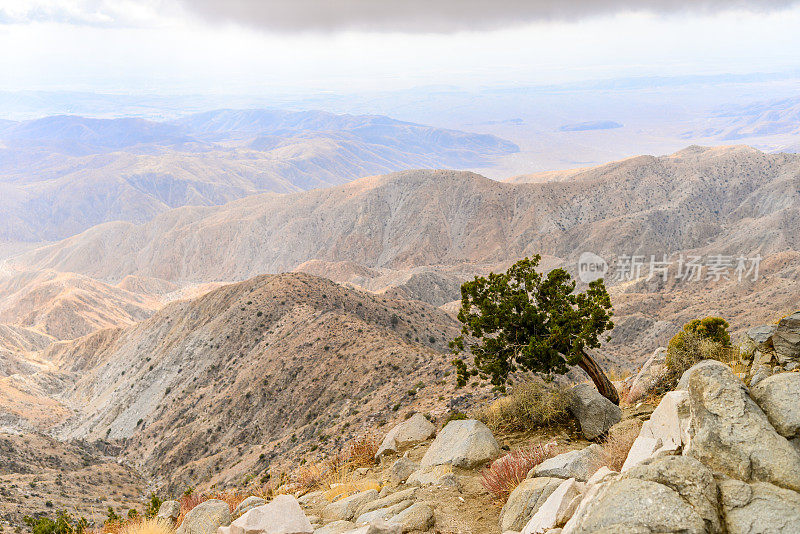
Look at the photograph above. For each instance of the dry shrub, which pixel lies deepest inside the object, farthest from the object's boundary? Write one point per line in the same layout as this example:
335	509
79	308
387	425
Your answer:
530	405
188	502
361	451
344	489
148	526
508	472
619	441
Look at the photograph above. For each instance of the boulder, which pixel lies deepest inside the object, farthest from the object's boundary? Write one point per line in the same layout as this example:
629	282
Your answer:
525	500
603	474
313	499
247	505
389	500
378	526
779	397
383	513
347	507
465	443
786	338
416	517
683	383
169	510
401	469
690	479
336	527
762	336
759	508
595	413
759	373
206	518
282	515
557	509
414	430
666	431
437	475
731	435
650	376
633	506
579	464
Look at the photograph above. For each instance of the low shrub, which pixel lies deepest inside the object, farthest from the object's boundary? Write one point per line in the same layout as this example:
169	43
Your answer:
63	523
619	441
508	472
531	404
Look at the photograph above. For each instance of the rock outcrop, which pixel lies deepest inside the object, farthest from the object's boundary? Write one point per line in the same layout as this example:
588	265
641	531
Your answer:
595	413
410	432
465	443
282	515
206	518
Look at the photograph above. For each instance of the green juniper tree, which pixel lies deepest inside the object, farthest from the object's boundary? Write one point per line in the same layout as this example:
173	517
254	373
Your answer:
522	320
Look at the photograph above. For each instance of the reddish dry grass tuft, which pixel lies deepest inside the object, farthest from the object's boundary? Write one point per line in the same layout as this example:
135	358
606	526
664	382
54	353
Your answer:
361	451
507	472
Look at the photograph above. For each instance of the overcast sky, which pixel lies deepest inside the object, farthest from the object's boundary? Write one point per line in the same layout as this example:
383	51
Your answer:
249	46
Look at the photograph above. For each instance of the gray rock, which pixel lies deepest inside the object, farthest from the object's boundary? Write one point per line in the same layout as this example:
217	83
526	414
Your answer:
665	432
786	338
731	435
759	373
779	397
378	526
466	443
282	515
414	430
169	510
206	518
683	383
595	413
759	508
383	513
629	505
437	475
347	507
401	469
525	500
389	500
336	527
580	464
690	479
416	517
649	376
247	505
557	509
762	336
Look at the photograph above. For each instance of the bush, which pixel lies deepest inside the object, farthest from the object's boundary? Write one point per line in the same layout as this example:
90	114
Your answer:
531	404
454	416
62	524
508	472
619	441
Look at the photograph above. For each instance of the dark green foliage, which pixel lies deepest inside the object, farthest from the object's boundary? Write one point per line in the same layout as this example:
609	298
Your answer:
62	524
710	328
153	505
522	320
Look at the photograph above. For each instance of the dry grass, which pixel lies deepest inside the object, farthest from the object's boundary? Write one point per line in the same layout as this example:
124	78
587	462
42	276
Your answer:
361	451
508	472
530	405
148	526
619	441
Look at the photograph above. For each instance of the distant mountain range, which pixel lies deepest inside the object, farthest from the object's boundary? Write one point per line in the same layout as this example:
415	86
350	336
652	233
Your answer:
61	175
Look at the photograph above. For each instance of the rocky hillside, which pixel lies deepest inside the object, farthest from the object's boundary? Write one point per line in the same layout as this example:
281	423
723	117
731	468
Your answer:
719	454
258	370
419	234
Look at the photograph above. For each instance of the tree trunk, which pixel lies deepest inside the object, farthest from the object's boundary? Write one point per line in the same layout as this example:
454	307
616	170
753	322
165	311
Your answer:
601	381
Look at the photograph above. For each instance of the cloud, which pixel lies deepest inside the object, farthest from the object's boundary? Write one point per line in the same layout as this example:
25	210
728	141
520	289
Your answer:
440	16
97	13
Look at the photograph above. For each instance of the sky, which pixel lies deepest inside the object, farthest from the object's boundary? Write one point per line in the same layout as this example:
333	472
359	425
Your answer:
263	46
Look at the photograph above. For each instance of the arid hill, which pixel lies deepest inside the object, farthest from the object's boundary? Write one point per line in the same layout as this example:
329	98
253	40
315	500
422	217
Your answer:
419	234
259	370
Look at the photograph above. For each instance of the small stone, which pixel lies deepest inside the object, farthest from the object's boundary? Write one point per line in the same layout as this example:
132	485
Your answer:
416	517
